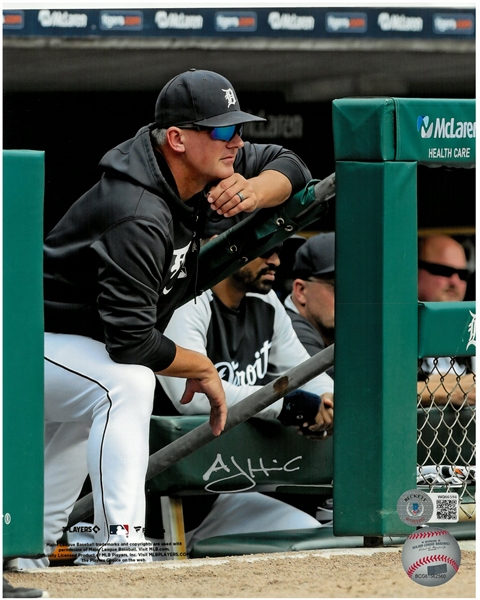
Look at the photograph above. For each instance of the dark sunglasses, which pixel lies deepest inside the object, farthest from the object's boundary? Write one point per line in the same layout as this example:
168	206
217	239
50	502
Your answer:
226	134
269	253
442	270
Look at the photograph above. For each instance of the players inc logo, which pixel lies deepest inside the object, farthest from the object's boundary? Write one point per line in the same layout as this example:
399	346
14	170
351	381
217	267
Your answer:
82	529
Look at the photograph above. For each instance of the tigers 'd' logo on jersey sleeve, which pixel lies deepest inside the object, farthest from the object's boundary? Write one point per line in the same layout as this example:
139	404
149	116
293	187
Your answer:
177	270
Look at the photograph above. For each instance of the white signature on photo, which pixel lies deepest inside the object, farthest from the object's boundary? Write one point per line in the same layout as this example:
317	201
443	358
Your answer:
236	471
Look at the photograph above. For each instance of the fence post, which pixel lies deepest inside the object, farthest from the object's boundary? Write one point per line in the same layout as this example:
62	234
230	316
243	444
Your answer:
23	183
375	345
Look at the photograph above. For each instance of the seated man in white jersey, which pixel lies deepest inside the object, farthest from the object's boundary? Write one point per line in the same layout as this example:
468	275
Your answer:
241	325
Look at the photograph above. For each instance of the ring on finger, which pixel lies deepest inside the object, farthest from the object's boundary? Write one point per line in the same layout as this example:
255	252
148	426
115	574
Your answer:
241	196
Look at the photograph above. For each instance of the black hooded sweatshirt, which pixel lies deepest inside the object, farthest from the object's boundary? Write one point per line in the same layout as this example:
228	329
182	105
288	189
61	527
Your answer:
121	259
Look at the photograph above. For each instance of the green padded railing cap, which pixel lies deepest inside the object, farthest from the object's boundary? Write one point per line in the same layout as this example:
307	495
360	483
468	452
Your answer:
432	132
446	329
364	129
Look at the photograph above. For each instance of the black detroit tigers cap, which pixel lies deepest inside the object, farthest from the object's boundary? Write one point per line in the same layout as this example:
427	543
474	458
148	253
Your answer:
200	98
316	257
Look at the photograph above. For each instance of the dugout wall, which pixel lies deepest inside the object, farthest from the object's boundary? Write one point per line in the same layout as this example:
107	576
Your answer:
378	144
23	184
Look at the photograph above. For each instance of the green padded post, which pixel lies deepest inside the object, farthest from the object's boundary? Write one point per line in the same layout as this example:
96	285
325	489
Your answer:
375	345
23	429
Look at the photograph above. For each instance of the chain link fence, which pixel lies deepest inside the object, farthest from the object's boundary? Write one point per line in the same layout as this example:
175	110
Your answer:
446	451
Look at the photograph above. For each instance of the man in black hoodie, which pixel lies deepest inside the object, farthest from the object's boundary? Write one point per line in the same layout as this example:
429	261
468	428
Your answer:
116	267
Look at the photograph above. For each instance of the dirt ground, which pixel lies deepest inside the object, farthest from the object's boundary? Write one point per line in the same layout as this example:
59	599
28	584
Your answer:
352	573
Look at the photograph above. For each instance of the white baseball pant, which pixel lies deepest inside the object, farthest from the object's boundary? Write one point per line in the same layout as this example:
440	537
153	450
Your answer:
97	415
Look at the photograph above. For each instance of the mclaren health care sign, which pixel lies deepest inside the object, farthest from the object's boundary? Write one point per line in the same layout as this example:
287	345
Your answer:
436	131
432	132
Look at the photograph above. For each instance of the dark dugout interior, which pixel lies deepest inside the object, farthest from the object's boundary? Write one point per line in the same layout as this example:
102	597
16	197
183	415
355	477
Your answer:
76	129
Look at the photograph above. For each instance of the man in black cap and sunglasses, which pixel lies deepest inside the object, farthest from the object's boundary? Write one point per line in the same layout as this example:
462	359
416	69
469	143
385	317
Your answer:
115	268
242	326
442	277
442	269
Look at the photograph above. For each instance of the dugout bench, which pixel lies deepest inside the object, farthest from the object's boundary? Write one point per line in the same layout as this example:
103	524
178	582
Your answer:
262	456
257	456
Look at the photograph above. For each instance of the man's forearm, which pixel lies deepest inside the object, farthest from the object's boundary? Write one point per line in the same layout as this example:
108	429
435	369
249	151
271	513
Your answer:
272	188
189	364
201	377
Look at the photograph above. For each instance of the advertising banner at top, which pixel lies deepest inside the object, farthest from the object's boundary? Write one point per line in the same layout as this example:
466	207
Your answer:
295	22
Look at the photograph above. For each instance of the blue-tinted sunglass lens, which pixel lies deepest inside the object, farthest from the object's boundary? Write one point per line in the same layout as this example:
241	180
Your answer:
226	134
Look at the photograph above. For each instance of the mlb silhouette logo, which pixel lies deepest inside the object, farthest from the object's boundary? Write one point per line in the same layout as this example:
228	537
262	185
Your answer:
415	508
119	530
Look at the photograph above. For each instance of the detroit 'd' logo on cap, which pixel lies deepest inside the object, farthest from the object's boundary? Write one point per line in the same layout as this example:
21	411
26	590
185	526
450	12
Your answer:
230	97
